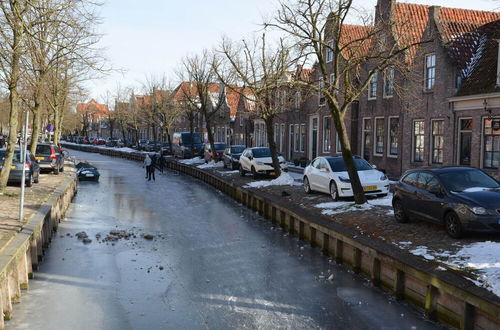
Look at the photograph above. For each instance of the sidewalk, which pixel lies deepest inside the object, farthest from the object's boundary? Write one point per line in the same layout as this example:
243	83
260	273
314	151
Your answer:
34	197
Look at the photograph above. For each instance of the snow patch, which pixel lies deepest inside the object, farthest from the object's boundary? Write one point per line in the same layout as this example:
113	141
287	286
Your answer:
192	161
341	207
228	172
475	189
211	164
284	179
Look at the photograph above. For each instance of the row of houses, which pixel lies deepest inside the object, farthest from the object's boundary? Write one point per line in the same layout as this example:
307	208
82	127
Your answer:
448	112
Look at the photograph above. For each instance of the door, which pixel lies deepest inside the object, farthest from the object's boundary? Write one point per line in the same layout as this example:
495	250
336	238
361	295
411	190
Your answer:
314	174
367	134
314	138
465	141
428	204
407	192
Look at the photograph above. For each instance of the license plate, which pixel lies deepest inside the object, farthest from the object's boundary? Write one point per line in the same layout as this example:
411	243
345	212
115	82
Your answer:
40	158
369	188
13	167
272	173
89	175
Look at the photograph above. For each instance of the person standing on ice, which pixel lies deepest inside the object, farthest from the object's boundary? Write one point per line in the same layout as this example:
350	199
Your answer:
147	165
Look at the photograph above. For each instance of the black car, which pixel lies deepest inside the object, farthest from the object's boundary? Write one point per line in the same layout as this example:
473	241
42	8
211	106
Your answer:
461	198
165	149
50	157
87	172
232	155
141	144
32	169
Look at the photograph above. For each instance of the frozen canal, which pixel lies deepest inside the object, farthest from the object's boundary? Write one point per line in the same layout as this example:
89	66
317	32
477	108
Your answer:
212	265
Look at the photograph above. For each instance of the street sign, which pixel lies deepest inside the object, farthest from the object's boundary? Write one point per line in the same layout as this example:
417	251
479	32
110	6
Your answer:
50	127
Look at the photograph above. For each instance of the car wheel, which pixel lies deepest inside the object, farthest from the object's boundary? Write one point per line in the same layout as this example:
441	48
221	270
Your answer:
399	212
453	225
224	164
29	183
242	171
254	173
307	186
56	171
62	169
37	179
334	191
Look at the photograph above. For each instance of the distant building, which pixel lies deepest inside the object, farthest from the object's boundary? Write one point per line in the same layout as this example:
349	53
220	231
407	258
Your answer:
94	118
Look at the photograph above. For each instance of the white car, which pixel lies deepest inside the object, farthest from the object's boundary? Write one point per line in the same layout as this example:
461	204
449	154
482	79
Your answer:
329	175
258	161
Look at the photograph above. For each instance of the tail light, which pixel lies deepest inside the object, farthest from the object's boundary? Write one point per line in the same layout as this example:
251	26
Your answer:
53	156
27	166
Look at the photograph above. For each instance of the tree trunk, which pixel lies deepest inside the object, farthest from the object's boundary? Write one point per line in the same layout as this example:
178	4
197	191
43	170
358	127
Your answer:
211	139
272	145
357	188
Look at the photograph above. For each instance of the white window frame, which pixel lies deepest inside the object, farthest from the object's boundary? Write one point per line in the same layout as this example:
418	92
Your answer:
426	71
413	145
364	132
375	153
387	70
296	146
323	149
373	81
481	158
329	51
291	135
276	133
389	137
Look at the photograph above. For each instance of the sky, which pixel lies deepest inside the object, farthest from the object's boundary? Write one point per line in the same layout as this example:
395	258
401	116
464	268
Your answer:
149	38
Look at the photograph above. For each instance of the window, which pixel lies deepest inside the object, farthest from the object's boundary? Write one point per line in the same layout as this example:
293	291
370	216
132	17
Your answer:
292	136
327	134
338	145
498	64
491	148
411	178
372	87
297	137
329	51
427	181
302	137
389	82
298	100
321	96
276	132
367	133
282	138
437	141
430	71
393	136
464	141
379	137
418	140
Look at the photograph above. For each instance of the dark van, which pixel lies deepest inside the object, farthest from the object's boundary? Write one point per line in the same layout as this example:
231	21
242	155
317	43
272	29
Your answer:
184	141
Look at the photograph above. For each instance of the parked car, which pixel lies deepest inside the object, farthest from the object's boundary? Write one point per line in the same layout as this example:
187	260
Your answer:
329	175
258	161
112	142
99	142
141	144
50	157
152	146
165	149
183	142
462	198
232	155
32	169
219	149
122	143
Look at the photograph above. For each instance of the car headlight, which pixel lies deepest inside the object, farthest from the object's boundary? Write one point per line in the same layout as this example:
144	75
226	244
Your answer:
259	163
478	210
383	177
344	179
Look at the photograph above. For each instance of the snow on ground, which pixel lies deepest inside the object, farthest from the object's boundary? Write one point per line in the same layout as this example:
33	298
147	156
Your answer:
481	257
296	176
211	164
192	161
228	172
285	179
341	207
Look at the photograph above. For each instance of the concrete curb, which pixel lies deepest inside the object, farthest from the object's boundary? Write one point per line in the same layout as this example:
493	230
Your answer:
443	295
20	257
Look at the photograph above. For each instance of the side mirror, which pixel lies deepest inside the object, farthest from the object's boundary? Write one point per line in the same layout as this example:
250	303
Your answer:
250	157
374	166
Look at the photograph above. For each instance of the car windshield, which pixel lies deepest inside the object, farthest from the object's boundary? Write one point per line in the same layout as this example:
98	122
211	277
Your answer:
17	156
261	152
186	139
237	150
43	149
461	180
338	165
220	146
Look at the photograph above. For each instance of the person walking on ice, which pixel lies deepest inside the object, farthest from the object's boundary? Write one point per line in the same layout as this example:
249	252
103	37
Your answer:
147	165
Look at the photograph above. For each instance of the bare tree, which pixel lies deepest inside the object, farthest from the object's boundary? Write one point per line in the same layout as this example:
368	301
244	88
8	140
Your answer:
205	92
320	31
266	73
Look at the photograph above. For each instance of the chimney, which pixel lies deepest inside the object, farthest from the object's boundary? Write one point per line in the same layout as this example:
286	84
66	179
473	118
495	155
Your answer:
383	10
